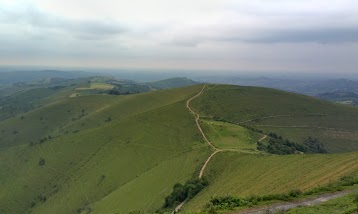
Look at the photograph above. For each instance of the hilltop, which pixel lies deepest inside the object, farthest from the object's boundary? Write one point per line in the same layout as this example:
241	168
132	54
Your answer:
105	153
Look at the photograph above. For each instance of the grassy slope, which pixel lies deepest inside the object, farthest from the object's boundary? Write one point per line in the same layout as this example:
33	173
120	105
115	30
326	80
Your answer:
237	104
230	136
343	205
129	163
47	120
246	174
172	83
150	143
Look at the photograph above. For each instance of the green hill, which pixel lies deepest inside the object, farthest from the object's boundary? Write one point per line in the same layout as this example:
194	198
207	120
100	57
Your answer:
289	115
176	82
104	153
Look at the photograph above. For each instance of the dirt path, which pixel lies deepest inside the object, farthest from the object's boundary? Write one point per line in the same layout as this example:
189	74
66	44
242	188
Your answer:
289	205
197	121
197	117
206	163
263	138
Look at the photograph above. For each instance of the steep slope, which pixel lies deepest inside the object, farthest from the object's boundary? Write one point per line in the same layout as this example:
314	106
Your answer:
116	154
128	163
238	174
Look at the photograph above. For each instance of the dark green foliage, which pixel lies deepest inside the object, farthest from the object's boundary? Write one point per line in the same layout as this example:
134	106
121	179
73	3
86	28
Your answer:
182	192
108	119
85	208
41	161
41	140
42	197
314	146
128	88
229	202
277	145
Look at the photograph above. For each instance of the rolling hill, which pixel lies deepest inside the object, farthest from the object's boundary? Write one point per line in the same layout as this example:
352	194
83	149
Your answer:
101	153
176	82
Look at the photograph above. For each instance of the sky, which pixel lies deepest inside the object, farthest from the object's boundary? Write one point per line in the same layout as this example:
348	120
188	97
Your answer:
252	35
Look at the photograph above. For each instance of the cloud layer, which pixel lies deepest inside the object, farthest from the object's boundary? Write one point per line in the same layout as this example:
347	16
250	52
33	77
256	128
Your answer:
227	34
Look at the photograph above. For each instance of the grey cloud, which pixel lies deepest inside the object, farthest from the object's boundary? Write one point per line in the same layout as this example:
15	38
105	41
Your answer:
84	29
256	35
324	35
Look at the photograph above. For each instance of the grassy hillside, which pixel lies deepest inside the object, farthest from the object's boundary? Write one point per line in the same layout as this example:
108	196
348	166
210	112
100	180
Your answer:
103	153
346	204
290	115
176	82
238	174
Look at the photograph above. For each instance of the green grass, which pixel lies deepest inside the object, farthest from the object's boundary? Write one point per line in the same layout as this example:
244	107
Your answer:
342	205
123	153
230	136
129	163
237	104
176	82
243	175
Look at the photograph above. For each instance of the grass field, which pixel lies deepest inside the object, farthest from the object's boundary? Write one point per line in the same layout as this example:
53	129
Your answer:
284	113
343	205
105	162
230	136
238	174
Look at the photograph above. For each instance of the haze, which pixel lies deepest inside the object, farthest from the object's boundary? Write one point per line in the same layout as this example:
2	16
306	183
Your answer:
257	35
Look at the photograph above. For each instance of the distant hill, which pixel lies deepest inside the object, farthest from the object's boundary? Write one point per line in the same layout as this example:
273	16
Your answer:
176	82
19	98
28	76
302	86
343	97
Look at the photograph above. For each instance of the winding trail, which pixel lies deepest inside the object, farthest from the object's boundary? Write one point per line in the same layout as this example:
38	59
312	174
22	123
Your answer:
216	150
197	118
263	138
273	208
197	121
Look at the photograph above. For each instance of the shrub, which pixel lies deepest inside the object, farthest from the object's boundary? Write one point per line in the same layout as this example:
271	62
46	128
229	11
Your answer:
182	192
41	161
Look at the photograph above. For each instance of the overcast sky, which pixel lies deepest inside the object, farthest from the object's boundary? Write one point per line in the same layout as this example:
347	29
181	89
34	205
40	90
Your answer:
255	35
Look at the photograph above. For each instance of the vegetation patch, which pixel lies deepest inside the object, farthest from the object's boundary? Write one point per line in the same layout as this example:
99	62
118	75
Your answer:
280	146
182	192
231	202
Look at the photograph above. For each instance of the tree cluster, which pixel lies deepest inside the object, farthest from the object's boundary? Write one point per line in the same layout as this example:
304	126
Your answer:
182	192
280	146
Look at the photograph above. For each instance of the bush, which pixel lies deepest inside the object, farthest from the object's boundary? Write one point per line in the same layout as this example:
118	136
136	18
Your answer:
230	202
182	192
41	161
277	145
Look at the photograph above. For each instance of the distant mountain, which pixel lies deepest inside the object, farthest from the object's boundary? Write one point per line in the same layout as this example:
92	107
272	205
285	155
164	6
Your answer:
28	76
302	86
176	82
341	97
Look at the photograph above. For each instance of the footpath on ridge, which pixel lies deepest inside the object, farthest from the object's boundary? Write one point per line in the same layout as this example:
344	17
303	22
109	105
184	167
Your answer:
281	206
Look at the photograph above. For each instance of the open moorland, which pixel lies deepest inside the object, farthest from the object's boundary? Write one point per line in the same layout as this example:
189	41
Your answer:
102	152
